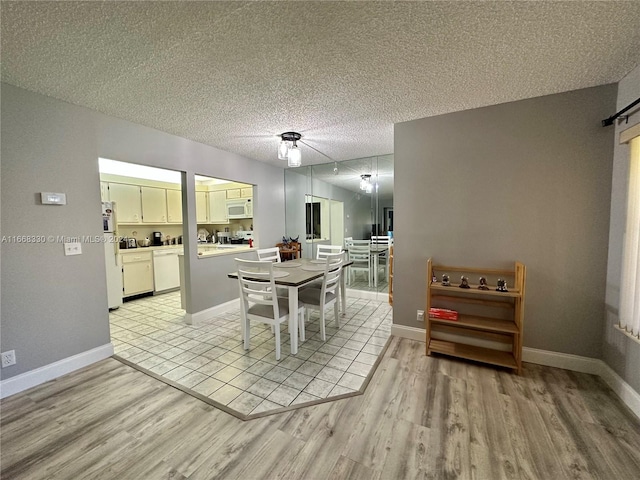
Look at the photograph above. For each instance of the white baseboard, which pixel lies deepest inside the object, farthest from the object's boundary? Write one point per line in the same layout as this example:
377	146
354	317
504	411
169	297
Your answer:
202	316
26	380
353	293
575	363
628	395
567	361
412	333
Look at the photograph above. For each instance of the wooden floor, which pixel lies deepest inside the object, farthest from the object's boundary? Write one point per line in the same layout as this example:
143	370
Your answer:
421	417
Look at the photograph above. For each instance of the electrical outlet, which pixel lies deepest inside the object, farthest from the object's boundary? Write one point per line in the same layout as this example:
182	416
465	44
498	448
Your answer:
420	316
8	358
73	248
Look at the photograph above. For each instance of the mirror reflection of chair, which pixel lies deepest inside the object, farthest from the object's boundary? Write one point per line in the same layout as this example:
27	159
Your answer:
360	255
259	301
383	257
322	298
271	254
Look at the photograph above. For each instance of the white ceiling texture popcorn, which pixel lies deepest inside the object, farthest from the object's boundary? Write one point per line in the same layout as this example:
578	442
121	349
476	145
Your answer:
234	75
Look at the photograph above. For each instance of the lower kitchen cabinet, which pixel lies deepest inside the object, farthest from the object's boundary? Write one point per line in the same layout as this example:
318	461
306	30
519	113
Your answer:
137	273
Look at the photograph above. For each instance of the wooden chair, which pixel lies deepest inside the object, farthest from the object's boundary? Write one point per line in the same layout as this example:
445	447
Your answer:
325	296
290	251
269	254
258	300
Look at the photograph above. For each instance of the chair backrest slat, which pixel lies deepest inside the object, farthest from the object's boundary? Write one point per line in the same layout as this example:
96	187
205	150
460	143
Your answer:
324	250
270	254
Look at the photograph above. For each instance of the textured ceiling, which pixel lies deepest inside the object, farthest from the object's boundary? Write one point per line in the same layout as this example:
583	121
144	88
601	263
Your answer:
235	74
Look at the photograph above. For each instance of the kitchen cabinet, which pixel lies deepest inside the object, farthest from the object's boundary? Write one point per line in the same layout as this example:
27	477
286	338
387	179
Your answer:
246	192
202	207
104	191
128	205
174	206
137	273
486	320
233	193
154	205
218	207
166	271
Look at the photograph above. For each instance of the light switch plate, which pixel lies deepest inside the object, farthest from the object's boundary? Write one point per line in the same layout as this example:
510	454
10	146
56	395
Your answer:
52	198
72	248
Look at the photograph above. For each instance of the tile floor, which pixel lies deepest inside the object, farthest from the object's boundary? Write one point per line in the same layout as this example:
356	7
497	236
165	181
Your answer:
210	359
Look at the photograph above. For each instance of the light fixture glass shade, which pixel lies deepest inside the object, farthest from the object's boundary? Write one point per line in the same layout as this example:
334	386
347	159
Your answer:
294	156
283	148
369	188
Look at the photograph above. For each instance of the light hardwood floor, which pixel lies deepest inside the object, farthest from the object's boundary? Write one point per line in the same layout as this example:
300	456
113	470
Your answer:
420	417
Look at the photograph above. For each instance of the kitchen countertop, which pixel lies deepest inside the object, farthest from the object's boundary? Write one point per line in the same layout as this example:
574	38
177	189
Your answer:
204	249
145	249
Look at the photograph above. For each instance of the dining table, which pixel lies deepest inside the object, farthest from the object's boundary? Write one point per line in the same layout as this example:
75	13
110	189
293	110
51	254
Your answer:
295	274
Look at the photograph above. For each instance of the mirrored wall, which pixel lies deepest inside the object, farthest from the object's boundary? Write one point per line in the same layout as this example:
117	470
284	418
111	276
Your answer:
328	203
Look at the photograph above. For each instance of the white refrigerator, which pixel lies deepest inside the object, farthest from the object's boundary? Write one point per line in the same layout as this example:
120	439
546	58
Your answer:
112	255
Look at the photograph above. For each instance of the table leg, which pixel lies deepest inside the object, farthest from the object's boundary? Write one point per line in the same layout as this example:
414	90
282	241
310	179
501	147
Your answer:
293	319
343	293
375	270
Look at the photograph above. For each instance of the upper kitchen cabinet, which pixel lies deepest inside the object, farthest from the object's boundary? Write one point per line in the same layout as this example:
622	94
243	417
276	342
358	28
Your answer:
174	206
128	205
233	193
154	205
202	214
218	207
244	192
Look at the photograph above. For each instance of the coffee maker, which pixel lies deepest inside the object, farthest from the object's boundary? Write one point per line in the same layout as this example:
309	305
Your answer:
156	238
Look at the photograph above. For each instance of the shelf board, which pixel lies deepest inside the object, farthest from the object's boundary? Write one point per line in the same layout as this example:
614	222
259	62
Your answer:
474	290
480	323
471	352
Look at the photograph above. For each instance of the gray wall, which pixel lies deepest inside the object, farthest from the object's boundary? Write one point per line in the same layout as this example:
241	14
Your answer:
620	352
527	181
54	306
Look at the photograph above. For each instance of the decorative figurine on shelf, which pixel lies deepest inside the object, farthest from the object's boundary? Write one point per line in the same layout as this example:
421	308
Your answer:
483	284
434	279
464	282
502	285
445	280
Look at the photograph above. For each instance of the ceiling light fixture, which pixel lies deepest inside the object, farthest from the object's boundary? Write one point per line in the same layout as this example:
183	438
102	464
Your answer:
289	150
365	183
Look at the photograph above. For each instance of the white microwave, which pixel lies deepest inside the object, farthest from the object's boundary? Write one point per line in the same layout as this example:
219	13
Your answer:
239	208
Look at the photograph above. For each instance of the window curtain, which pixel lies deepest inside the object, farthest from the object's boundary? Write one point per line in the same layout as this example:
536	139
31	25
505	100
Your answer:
630	283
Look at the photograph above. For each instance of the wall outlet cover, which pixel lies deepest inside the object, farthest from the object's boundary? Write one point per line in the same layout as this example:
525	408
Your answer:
8	358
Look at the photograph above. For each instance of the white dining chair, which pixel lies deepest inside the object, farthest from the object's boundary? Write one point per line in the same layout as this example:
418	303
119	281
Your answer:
360	255
324	297
383	257
270	254
323	250
259	301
